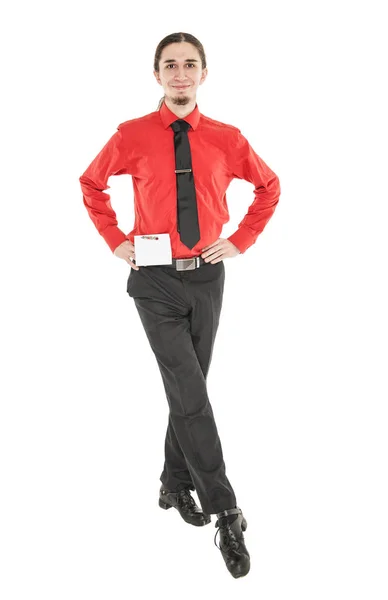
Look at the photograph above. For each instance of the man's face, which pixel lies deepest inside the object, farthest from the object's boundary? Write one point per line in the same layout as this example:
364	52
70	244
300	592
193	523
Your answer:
180	72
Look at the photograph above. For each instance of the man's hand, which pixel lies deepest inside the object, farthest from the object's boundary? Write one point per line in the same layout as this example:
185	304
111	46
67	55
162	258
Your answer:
126	250
219	250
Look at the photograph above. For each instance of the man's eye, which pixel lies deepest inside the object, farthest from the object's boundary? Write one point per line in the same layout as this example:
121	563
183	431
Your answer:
171	65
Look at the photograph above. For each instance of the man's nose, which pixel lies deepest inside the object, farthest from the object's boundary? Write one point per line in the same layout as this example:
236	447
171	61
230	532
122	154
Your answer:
180	75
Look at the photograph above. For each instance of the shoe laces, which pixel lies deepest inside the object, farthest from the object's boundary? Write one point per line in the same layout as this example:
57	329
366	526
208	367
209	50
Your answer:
184	499
228	537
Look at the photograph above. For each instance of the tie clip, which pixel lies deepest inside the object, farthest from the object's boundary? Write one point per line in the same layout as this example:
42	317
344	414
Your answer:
182	170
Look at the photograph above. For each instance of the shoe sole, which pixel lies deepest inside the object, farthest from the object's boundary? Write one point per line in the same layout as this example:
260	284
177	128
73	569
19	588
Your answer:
166	506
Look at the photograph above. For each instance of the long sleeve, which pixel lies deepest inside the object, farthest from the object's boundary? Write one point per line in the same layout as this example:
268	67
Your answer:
246	164
109	161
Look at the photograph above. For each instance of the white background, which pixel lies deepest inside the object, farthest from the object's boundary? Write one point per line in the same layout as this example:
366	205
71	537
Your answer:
298	379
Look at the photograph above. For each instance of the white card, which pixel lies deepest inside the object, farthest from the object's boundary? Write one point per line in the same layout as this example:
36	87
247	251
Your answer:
153	249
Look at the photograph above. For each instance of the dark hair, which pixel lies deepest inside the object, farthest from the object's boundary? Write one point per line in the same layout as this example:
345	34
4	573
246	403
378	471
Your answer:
172	39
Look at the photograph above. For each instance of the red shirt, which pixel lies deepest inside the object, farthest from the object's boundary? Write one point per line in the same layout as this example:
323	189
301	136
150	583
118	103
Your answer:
144	149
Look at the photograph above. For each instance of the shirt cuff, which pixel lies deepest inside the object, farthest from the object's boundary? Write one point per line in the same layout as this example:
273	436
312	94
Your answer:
113	236
242	239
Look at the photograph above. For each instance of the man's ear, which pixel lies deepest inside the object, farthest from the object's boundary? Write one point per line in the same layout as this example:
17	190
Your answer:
203	76
156	74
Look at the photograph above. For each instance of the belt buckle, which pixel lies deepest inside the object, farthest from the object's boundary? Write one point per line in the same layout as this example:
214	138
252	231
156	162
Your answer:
185	264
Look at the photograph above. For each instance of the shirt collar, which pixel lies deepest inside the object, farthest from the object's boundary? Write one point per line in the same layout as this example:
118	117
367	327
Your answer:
168	117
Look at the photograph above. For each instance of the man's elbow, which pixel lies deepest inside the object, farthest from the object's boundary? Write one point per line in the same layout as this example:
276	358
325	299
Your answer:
274	188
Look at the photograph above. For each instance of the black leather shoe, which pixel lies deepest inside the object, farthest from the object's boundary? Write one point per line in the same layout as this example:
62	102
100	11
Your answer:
185	505
232	544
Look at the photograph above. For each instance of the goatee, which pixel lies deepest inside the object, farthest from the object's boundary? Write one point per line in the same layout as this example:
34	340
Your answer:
180	100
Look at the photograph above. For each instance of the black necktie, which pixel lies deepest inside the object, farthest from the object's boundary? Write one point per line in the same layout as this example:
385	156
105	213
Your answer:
188	226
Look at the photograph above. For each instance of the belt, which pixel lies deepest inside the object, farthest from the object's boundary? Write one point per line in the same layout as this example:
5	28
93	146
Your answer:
185	264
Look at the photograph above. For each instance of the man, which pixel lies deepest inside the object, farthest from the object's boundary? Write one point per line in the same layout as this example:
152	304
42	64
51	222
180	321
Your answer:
181	163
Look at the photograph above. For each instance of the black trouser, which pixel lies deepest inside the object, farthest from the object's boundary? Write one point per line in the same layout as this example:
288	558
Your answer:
180	312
